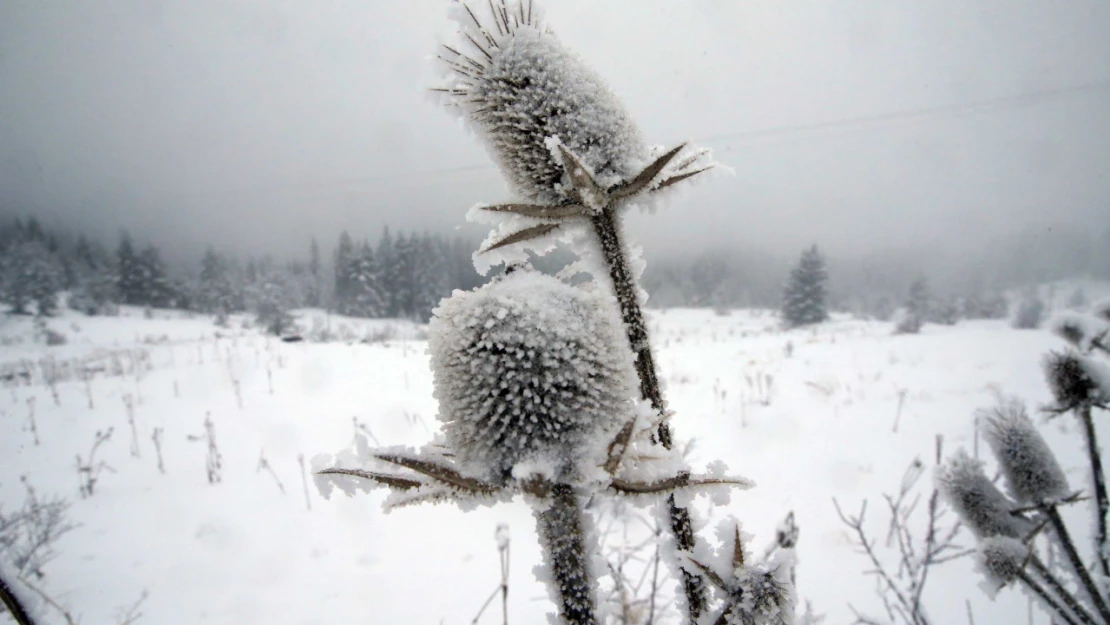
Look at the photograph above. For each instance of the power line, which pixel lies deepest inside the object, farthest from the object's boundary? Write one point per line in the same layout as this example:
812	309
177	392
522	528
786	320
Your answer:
851	123
921	114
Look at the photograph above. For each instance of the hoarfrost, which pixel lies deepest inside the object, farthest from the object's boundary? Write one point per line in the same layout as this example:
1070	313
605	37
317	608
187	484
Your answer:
527	369
520	89
1001	560
981	506
1030	468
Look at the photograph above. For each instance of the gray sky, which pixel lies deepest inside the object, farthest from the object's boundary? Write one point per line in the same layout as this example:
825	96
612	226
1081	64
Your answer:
256	123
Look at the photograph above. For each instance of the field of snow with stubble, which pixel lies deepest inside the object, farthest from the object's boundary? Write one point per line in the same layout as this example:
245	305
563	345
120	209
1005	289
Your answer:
808	414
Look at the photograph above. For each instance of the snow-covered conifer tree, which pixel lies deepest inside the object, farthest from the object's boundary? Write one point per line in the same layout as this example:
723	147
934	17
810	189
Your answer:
364	298
31	275
804	301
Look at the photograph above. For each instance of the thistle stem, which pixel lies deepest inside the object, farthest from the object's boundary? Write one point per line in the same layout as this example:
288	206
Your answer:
632	316
1099	480
13	604
1065	597
1080	570
563	538
1044	596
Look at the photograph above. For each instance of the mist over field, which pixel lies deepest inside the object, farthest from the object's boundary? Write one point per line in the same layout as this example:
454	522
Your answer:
432	312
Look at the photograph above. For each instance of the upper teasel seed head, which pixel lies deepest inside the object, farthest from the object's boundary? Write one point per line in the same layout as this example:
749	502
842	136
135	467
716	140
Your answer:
981	506
1032	473
1075	380
525	93
529	369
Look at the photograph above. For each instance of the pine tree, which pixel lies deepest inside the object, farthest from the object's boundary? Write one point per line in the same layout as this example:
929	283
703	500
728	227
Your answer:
366	297
315	291
404	276
155	288
215	291
344	257
32	275
94	288
804	301
129	278
918	304
389	276
430	285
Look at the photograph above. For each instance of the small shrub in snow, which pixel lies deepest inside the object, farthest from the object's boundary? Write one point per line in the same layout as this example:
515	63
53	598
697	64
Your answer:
901	585
89	468
1072	591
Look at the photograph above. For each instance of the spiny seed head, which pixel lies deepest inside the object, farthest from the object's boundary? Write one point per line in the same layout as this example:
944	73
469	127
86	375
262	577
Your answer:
981	506
1032	474
523	92
1069	378
528	369
1001	560
762	595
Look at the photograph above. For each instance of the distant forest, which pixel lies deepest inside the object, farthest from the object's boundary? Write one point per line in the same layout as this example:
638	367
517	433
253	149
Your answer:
404	274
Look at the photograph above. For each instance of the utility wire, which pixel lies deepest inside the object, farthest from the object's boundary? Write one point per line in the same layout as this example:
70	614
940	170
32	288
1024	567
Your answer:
848	124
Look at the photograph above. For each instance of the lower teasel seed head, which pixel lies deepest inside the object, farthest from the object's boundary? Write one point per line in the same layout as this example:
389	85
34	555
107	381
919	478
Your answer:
529	369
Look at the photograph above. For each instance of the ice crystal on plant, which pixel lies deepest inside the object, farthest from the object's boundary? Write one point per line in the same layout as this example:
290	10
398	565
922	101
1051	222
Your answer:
528	369
520	88
1032	473
981	506
1001	560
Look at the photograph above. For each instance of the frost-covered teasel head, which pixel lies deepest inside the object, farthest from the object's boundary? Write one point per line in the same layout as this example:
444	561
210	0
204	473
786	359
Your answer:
1076	380
1032	474
1001	560
528	369
521	90
981	506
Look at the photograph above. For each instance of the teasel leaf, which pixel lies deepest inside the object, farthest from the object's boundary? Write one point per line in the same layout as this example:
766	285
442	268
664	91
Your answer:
447	475
679	178
539	211
645	177
533	232
393	481
589	191
671	484
619	445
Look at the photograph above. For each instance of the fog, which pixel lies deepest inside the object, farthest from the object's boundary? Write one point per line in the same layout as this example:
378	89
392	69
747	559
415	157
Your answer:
253	125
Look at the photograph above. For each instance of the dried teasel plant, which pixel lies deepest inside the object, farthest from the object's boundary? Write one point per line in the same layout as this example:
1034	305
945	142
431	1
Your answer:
547	390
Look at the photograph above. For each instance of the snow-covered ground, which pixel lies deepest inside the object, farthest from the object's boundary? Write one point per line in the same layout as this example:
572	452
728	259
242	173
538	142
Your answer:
808	423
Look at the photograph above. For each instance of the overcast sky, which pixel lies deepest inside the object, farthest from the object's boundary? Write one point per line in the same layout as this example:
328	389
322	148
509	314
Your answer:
858	124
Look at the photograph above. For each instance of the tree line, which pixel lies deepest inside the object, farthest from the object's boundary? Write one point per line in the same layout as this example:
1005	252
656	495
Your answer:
404	275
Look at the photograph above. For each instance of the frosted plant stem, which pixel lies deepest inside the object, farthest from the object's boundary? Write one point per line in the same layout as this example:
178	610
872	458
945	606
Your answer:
632	316
1064	538
1043	595
1099	480
563	538
1066	597
14	606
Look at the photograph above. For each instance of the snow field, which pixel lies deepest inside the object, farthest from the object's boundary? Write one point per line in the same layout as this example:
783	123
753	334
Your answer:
809	426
